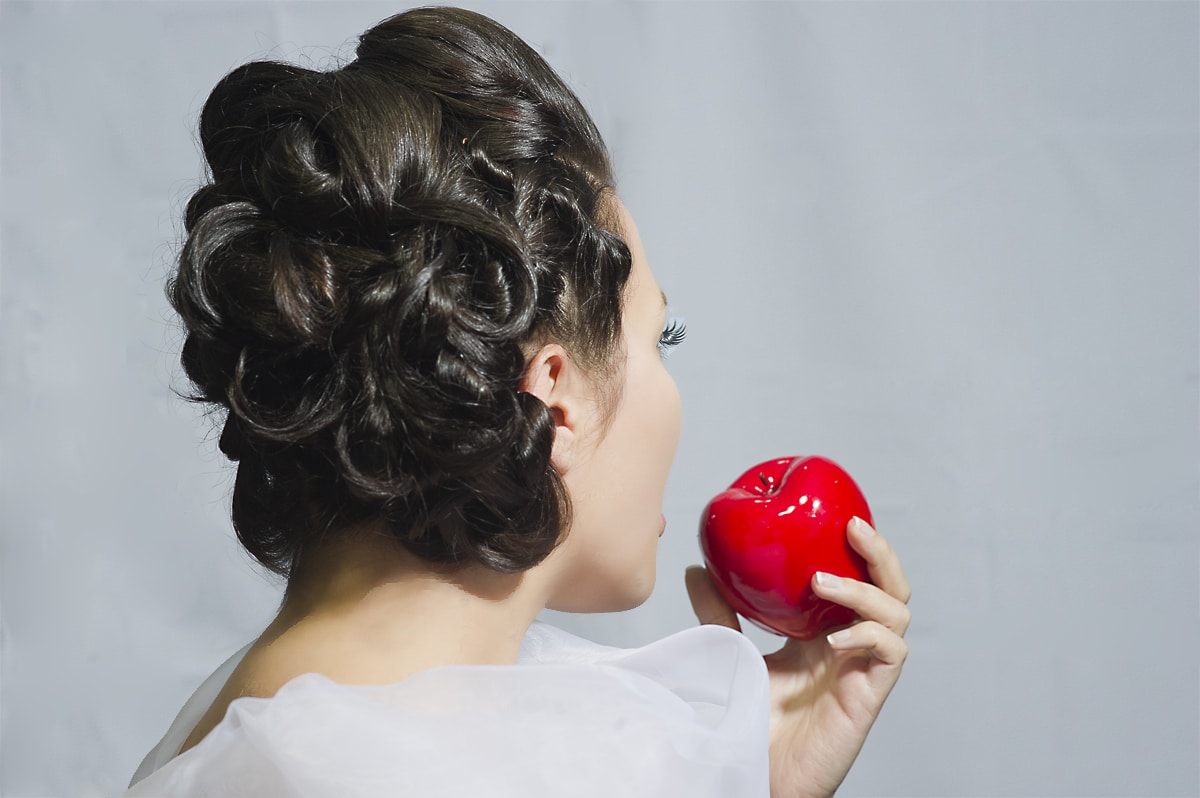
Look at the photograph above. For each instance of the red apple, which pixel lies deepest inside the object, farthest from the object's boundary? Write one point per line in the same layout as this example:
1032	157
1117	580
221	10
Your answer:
776	526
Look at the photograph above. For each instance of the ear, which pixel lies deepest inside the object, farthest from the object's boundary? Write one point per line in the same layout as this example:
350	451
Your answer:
552	376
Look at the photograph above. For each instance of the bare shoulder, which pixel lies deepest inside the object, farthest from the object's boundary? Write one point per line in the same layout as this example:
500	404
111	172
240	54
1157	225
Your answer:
283	652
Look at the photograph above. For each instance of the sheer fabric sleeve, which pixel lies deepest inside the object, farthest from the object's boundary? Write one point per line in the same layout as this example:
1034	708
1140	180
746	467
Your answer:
188	717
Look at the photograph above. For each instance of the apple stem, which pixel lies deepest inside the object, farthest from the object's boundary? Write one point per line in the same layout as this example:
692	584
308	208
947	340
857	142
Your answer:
764	480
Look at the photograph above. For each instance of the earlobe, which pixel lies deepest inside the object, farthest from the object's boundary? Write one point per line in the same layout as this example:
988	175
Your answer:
550	376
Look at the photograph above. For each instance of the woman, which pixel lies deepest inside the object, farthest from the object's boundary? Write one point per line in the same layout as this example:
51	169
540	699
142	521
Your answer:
433	329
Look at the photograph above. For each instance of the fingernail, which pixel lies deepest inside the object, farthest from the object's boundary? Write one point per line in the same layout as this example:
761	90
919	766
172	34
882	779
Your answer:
838	637
828	580
862	527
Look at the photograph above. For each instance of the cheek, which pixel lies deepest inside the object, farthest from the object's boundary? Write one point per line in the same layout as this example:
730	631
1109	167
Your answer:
662	418
674	412
612	546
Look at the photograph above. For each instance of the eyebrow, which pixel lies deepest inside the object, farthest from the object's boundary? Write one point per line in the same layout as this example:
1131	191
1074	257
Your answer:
663	294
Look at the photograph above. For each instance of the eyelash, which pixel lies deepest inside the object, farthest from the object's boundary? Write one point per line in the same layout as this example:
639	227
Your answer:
672	336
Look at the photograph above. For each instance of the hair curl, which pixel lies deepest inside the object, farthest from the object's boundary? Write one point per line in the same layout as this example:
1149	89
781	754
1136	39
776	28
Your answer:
374	249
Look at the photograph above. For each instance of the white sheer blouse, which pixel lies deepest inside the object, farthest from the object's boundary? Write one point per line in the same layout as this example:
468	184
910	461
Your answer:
684	716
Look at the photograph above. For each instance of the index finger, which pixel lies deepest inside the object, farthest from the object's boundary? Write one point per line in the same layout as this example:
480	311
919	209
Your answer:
882	562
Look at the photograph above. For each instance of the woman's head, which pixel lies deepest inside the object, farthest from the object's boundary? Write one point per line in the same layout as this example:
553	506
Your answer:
379	250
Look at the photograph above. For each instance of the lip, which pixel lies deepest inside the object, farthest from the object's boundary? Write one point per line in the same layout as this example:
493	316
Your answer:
662	525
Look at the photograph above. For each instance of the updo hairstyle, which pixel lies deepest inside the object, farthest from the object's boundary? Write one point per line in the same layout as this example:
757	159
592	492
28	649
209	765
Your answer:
378	247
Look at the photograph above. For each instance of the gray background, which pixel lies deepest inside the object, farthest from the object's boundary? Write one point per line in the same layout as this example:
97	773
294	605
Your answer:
952	245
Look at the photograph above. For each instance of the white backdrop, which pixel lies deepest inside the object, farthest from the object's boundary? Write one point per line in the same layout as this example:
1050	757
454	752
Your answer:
952	245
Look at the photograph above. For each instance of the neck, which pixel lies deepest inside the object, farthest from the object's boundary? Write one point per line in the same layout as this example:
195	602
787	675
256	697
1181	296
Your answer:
370	612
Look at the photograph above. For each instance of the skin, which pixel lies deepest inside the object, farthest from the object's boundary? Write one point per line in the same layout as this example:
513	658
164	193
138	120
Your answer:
363	611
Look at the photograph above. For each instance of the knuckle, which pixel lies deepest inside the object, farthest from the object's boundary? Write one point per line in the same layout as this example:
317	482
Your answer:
877	550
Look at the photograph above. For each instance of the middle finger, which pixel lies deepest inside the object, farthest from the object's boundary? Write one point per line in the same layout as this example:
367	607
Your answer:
869	601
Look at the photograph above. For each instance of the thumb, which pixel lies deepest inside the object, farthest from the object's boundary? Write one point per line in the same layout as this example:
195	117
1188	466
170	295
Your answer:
707	603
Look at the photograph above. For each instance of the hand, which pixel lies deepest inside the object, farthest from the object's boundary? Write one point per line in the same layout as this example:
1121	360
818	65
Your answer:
826	693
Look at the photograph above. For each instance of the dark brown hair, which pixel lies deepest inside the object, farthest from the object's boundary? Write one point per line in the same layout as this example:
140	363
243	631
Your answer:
376	245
